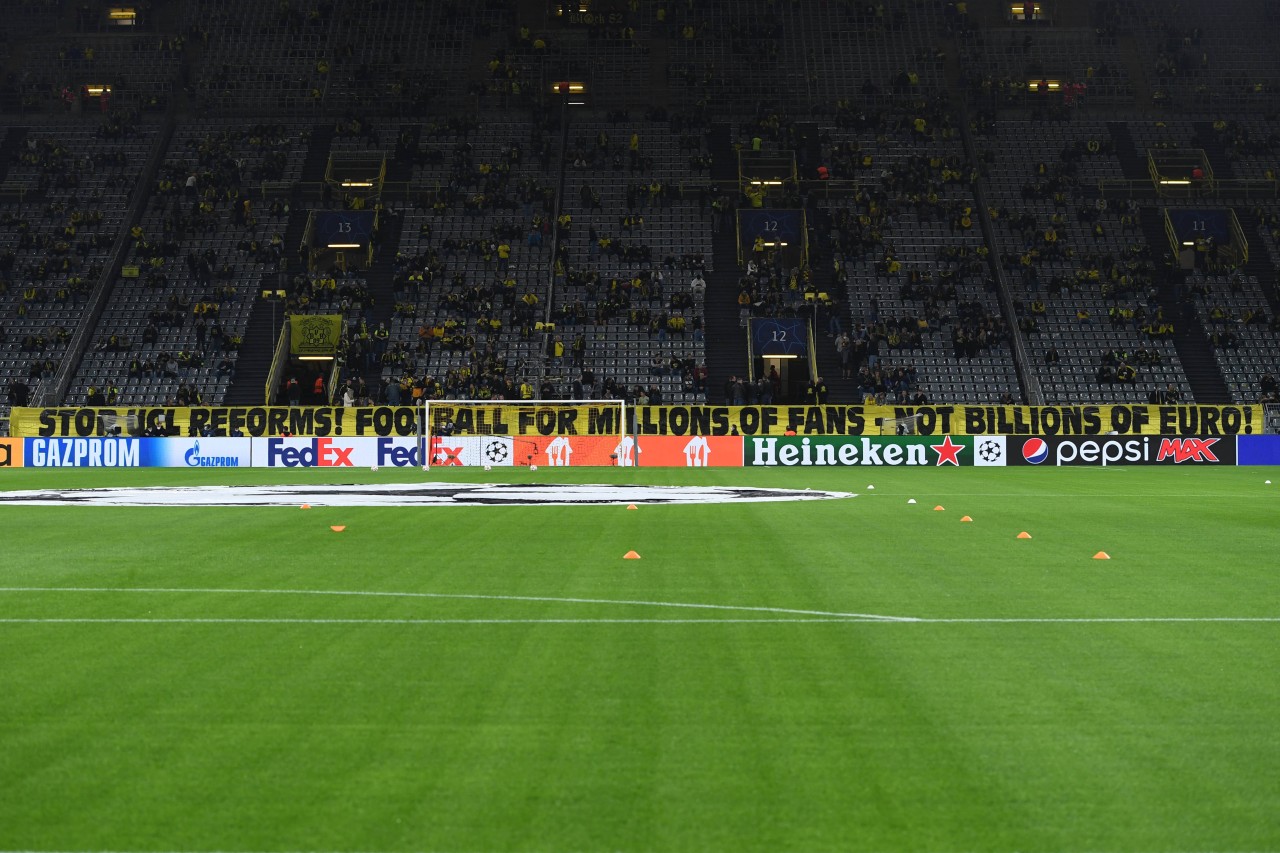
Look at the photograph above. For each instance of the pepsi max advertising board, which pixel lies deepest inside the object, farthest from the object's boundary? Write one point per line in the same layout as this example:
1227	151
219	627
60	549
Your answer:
1104	450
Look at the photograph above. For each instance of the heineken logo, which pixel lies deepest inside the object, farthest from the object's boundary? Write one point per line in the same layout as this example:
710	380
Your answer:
847	451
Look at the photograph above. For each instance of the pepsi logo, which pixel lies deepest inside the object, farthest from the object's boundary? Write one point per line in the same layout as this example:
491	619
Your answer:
1035	450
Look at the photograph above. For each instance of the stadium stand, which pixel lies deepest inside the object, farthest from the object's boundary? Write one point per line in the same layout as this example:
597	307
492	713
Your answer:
983	203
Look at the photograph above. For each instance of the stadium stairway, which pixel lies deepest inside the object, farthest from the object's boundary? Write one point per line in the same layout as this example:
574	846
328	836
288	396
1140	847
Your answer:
1189	339
659	90
1260	264
10	147
400	166
381	276
724	162
840	390
253	364
726	338
1207	139
317	162
1132	163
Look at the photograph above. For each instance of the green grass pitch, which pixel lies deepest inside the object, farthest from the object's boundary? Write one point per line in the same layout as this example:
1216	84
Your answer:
1041	701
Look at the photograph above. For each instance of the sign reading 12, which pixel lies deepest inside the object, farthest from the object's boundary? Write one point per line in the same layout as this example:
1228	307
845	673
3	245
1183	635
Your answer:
780	336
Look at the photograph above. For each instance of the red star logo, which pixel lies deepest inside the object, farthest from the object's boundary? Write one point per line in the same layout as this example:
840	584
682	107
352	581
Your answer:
948	452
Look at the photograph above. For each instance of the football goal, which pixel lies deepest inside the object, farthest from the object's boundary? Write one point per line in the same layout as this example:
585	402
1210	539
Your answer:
899	426
527	432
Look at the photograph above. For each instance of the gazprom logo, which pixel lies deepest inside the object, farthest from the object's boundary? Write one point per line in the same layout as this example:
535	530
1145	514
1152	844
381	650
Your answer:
193	459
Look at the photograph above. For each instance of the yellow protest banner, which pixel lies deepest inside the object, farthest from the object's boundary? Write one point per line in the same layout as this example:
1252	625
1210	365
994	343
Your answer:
532	420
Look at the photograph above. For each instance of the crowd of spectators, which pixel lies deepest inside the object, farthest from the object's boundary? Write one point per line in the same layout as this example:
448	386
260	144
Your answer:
479	317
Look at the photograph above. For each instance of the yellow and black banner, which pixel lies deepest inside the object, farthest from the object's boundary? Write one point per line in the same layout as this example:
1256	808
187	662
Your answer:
314	334
949	420
247	421
531	420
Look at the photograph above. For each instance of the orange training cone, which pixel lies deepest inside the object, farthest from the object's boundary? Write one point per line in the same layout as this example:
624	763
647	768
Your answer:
631	506
337	528
966	518
306	506
1024	535
939	508
631	555
1102	555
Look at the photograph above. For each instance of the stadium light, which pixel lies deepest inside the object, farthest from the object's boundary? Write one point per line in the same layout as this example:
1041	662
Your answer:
343	246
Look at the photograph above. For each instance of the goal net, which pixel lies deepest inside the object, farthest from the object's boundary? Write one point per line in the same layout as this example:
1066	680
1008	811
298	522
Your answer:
899	426
529	432
113	425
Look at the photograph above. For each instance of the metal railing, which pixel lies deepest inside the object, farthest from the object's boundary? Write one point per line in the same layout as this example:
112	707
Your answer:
1235	188
278	362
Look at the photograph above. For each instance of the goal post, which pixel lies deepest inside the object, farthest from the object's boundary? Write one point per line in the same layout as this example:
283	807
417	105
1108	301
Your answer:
899	426
119	425
504	433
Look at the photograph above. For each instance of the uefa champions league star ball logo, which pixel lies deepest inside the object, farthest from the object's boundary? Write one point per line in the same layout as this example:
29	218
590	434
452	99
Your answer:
496	452
990	451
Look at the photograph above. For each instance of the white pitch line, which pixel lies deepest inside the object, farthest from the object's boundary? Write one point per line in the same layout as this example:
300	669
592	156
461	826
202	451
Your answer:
1093	620
286	621
815	616
359	851
470	596
1020	495
1175	850
234	620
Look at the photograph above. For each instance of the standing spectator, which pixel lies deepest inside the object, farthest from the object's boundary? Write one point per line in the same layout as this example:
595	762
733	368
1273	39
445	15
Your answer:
844	348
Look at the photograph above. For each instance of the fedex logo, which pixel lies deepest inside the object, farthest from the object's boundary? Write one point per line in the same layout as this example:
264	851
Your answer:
317	453
397	454
445	452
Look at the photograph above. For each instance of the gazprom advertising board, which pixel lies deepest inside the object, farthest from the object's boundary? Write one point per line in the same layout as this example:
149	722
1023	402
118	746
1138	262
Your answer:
196	453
